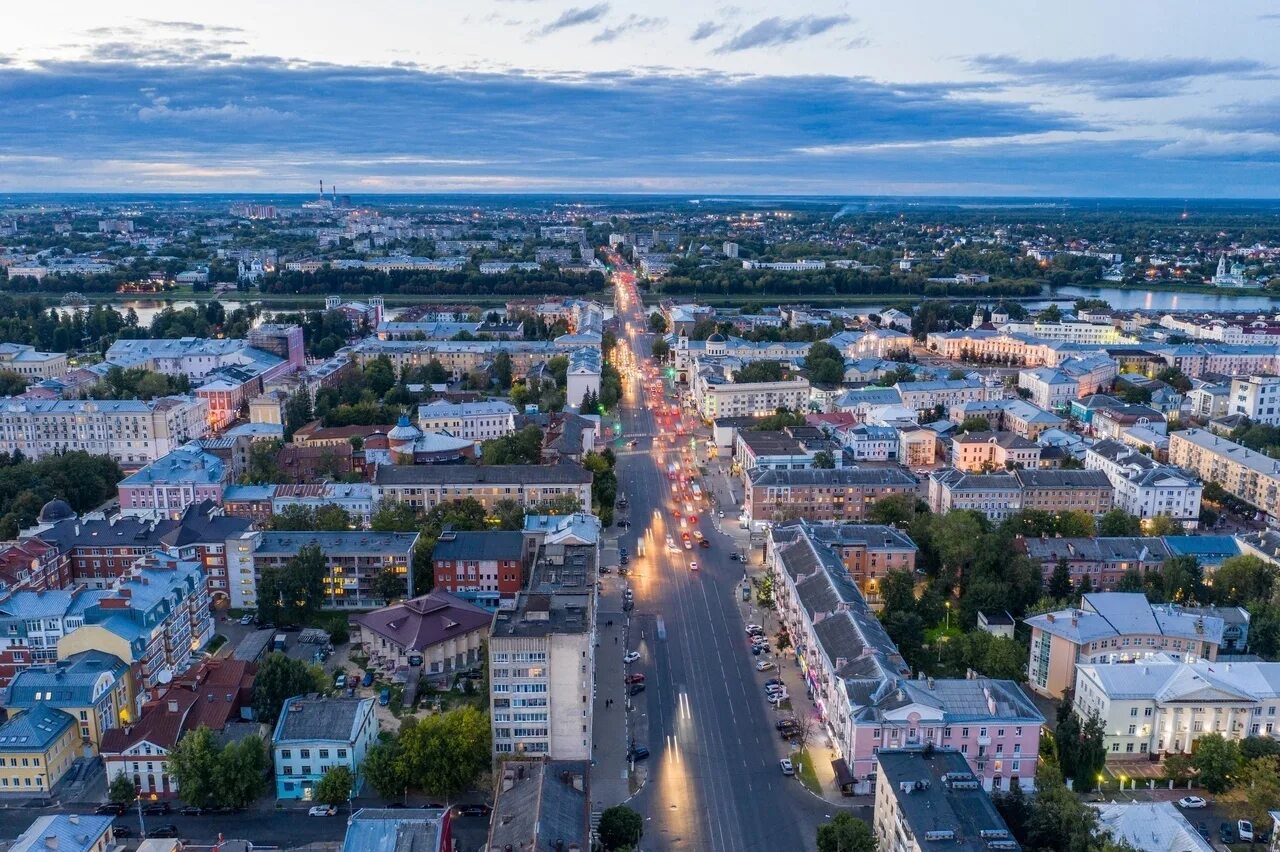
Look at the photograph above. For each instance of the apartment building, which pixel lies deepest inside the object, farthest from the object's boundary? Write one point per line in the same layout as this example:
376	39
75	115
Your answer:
484	568
978	451
929	799
476	421
1243	473
1114	627
996	495
1256	397
1050	388
1065	490
167	486
1112	421
316	733
458	357
426	486
840	494
1010	415
93	687
133	432
867	551
194	357
37	747
542	660
1144	487
1103	561
438	633
714	396
583	375
1000	495
1162	706
29	362
353	560
923	397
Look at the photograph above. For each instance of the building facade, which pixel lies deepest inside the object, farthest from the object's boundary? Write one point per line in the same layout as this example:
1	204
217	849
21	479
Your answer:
1144	487
439	633
1243	473
133	432
353	561
317	733
841	494
427	486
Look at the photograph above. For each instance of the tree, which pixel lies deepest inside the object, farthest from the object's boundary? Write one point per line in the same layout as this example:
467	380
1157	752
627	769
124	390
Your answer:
193	763
296	588
445	753
845	833
242	772
393	516
1162	525
759	371
502	369
333	518
1081	750
1130	581
1183	579
1177	766
824	460
895	510
385	770
1242	579
1118	522
509	513
657	323
975	424
388	585
335	787
898	591
1257	790
958	536
1060	580
620	827
1216	759
280	677
825	364
1076	523
523	447
122	790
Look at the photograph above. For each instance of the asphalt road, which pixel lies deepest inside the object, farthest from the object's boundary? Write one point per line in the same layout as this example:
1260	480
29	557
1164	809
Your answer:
285	829
714	780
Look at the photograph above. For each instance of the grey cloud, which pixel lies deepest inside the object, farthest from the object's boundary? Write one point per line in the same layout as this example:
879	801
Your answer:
632	24
576	16
1114	77
191	26
773	32
706	30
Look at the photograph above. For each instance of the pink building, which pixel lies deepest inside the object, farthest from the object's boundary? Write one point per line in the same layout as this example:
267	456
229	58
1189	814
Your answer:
863	690
167	486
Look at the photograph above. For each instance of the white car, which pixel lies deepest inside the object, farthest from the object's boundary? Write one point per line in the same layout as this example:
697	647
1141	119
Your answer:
693	566
787	767
1192	802
322	810
631	657
754	628
765	665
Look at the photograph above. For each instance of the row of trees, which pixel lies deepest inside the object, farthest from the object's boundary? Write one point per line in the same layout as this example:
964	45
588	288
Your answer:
441	755
85	481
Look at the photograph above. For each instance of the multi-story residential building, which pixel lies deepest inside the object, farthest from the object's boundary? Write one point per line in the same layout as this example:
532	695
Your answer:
996	495
426	486
459	357
1011	415
868	551
154	618
1069	331
27	361
978	451
167	486
869	443
715	396
1143	486
929	799
133	432
483	568
923	397
209	696
1209	401
1103	561
1162	706
1050	388
1065	490
316	733
353	560
93	687
37	747
542	657
477	421
840	494
438	633
69	833
1256	397
1235	625
542	804
781	450
917	447
583	375
1112	421
1242	472
193	357
862	689
1111	627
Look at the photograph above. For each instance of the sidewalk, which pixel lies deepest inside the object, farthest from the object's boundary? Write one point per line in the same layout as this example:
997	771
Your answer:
610	783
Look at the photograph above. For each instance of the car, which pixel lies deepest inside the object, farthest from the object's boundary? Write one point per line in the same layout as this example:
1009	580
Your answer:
720	513
788	768
754	628
623	560
637	753
622	551
246	619
688	545
631	656
771	691
480	810
122	831
192	810
788	722
765	665
1226	833
756	650
774	681
367	680
1192	802
633	678
693	566
1203	829
322	811
113	808
623	525
1244	829
704	543
635	689
156	809
627	606
384	697
733	557
169	831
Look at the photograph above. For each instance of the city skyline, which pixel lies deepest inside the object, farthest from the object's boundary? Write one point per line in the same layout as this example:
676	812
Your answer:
575	96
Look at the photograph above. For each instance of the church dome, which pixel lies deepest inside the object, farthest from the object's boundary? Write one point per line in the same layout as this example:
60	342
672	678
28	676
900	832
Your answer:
717	337
55	510
404	431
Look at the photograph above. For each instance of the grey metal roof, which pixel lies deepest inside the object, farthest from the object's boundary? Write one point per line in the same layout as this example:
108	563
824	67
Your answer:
312	717
540	803
480	546
564	473
347	542
394	830
936	805
844	476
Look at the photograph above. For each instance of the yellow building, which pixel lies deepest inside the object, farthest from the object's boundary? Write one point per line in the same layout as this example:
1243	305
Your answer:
36	749
93	687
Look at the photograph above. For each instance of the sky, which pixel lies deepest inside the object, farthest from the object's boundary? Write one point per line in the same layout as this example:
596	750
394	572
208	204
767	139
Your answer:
831	97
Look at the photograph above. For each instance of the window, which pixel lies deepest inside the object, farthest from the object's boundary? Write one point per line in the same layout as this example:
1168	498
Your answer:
304	753
306	770
1133	711
324	753
342	752
285	754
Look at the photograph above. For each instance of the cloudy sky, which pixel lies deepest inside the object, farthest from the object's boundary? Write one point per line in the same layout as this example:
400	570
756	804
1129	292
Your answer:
1002	97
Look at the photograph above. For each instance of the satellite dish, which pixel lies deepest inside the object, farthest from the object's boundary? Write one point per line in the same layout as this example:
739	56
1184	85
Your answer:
165	676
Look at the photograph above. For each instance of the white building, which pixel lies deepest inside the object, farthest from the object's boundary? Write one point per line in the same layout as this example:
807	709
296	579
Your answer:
29	362
714	397
1050	388
476	421
316	733
583	375
1143	486
132	432
1069	331
1257	397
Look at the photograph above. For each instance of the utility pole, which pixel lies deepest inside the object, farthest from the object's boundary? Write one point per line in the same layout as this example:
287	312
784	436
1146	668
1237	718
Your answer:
142	824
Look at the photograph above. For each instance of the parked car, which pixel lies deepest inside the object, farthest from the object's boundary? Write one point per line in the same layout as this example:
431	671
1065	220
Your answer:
1192	802
774	681
756	649
765	665
622	551
192	810
322	811
384	697
167	831
156	809
631	657
637	753
636	689
704	543
786	723
112	808
693	566
480	810
1244	829
787	767
122	831
733	557
1226	833
754	628
633	678
246	619
340	681
367	680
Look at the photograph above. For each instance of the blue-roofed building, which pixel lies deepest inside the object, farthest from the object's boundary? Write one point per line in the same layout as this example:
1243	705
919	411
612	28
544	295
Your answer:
316	733
92	687
399	830
37	748
1209	550
67	833
167	486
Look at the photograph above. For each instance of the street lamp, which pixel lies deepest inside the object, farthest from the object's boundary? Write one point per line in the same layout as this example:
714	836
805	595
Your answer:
948	616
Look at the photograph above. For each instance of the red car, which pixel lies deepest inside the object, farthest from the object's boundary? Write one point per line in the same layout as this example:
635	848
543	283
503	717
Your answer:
634	678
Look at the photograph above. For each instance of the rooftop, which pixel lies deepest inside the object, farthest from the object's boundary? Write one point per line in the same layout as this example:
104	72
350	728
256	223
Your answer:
491	545
345	542
1104	615
1151	825
540	803
315	717
63	832
395	830
841	476
941	801
476	474
34	730
421	622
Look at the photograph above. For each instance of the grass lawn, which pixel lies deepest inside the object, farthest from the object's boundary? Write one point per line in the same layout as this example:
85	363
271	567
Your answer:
933	634
803	763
